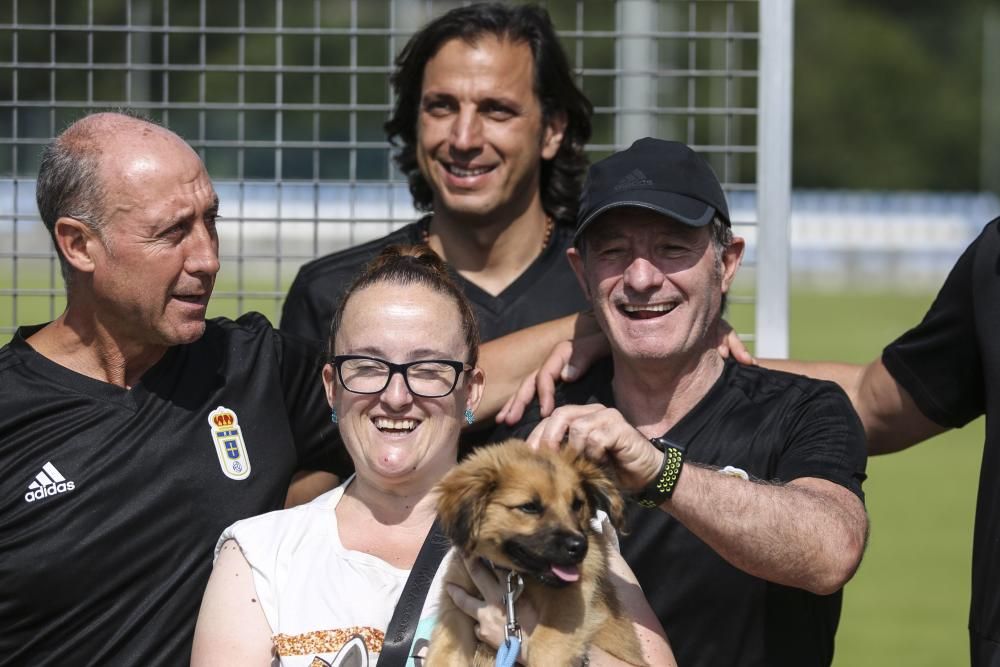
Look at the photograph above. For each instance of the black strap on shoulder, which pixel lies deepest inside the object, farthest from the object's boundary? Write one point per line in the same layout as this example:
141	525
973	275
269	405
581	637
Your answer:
403	624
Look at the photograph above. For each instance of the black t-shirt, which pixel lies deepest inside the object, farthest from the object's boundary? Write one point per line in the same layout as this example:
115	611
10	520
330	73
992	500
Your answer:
111	500
545	291
776	427
952	370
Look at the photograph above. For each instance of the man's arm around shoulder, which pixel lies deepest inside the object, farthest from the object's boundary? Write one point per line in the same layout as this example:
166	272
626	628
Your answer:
889	414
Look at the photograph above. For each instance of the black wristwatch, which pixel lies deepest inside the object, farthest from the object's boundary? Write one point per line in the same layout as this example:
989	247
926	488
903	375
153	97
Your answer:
662	486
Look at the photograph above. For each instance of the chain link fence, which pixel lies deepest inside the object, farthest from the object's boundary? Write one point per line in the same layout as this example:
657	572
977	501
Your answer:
285	101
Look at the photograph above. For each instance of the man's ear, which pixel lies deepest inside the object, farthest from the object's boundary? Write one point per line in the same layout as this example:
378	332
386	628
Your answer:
732	256
576	262
552	135
77	242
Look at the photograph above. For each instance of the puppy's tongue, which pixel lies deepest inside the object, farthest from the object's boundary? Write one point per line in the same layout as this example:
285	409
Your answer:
568	573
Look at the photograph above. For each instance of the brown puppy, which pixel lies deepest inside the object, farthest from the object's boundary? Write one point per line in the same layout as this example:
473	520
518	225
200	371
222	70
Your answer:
529	511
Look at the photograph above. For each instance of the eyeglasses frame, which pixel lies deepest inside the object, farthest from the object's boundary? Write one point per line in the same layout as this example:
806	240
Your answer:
459	366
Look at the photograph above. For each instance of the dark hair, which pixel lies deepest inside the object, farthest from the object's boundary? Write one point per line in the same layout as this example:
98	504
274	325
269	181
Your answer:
412	265
561	177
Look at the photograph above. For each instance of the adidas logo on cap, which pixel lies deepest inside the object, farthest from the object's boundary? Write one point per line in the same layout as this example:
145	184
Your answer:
633	180
48	482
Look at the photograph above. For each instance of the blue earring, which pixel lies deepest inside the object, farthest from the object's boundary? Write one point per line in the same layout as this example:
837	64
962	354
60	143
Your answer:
469	416
333	416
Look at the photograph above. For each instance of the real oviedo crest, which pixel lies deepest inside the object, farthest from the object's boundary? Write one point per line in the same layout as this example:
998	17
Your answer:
229	444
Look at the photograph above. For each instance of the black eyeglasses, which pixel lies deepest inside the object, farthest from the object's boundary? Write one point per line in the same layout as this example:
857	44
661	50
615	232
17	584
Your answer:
429	378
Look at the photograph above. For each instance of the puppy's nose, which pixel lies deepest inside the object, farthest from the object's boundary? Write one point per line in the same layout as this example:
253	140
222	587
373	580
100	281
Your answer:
573	545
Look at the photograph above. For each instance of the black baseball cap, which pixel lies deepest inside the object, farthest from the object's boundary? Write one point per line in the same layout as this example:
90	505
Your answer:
664	176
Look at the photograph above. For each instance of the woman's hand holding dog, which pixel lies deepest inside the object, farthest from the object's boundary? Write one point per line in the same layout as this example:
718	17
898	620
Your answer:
601	434
488	611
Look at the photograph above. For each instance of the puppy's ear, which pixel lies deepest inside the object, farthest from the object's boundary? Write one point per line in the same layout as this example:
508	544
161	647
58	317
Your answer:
463	495
601	491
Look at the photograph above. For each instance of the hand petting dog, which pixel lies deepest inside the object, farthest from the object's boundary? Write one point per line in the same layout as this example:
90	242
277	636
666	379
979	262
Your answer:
603	435
760	528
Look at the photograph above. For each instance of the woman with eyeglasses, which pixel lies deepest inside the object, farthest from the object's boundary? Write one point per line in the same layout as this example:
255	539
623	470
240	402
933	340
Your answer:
317	584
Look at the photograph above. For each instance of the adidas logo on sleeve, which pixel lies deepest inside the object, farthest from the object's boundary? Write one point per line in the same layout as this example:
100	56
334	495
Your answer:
49	482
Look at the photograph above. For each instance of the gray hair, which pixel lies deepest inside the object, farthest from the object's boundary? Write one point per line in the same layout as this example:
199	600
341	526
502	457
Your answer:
722	237
69	185
69	181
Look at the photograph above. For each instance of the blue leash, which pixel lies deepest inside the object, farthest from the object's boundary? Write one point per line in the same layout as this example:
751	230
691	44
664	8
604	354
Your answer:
507	655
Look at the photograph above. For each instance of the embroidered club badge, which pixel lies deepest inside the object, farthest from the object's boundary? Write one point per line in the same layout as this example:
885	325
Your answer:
229	443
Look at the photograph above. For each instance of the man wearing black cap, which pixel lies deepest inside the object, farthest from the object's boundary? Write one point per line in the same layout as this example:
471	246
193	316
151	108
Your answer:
750	515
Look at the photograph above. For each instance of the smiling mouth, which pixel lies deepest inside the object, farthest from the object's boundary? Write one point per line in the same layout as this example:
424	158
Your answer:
646	311
467	172
395	426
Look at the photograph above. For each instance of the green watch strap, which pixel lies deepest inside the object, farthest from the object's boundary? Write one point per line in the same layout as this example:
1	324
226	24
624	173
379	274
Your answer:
662	486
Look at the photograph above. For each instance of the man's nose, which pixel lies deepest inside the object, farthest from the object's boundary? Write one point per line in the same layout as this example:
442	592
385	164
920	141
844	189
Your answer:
642	275
467	130
203	255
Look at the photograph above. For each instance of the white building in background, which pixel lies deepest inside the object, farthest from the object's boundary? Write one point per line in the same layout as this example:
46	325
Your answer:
877	240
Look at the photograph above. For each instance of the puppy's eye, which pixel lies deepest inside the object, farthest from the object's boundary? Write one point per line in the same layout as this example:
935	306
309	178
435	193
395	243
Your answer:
531	508
577	504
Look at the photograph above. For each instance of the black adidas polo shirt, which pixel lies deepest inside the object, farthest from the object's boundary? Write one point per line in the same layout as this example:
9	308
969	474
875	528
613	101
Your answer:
111	500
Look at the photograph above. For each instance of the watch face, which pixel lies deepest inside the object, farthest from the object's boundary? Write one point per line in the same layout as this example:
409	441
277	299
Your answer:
663	442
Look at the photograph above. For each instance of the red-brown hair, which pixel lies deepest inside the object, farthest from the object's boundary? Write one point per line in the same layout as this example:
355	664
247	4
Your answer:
408	265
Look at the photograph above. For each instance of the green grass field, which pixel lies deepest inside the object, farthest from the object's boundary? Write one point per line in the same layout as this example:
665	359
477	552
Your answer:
908	604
